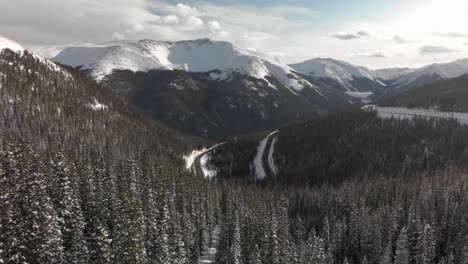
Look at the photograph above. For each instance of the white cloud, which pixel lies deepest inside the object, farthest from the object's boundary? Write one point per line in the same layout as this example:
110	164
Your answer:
451	34
118	36
214	26
431	50
400	40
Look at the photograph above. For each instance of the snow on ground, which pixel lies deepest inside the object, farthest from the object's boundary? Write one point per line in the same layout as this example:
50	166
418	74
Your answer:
361	95
6	43
340	71
190	159
260	173
96	106
204	161
403	112
208	171
271	161
210	254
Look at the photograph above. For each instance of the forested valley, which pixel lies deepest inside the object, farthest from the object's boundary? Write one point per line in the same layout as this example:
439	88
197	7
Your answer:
88	178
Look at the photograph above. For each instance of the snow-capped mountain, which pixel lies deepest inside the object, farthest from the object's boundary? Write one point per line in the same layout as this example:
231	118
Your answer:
356	82
340	71
204	87
434	72
191	56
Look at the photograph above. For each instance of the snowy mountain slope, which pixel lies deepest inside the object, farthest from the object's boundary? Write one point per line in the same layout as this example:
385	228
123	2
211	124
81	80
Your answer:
191	56
340	71
439	70
390	73
48	51
7	43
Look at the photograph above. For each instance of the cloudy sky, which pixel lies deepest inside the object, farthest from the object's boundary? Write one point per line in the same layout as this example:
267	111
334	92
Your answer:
373	33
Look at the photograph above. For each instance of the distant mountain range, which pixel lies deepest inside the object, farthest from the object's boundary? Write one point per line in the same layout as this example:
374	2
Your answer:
359	81
215	89
205	87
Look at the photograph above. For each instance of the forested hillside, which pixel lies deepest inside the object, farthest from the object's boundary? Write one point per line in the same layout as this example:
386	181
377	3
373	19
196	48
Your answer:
352	144
447	95
86	178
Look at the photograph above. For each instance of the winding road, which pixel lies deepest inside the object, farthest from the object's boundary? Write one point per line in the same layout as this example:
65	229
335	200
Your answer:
197	161
265	163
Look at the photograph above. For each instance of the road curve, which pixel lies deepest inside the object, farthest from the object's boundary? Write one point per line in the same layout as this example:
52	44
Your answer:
266	152
197	163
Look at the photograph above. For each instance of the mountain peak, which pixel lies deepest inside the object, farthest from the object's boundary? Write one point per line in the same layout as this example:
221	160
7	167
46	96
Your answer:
340	71
201	56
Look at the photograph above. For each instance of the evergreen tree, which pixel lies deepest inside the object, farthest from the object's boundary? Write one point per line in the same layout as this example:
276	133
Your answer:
402	252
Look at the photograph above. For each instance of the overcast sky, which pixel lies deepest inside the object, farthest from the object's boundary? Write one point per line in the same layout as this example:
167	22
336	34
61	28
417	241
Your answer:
372	33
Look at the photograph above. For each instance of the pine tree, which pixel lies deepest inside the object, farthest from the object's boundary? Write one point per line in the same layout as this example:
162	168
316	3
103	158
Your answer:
236	242
429	244
257	257
69	212
402	251
9	201
41	237
387	255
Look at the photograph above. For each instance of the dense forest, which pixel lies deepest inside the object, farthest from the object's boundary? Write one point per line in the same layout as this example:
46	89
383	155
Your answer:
447	95
86	178
352	144
378	220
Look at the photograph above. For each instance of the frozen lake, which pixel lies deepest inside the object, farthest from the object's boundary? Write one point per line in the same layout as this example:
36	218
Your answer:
402	112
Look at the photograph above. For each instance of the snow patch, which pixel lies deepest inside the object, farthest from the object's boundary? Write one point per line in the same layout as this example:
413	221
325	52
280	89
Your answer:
96	106
363	96
208	171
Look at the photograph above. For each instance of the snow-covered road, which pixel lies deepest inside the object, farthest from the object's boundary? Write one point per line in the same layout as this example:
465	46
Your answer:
263	162
198	160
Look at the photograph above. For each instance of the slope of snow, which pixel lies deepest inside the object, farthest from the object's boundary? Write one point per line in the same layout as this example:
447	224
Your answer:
48	51
6	43
445	70
192	56
340	71
391	73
